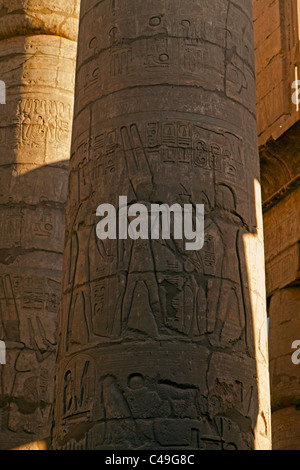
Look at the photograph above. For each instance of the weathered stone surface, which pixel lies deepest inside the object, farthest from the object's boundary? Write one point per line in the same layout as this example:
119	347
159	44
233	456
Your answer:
28	17
277	35
282	236
39	445
280	167
284	330
286	429
160	347
38	68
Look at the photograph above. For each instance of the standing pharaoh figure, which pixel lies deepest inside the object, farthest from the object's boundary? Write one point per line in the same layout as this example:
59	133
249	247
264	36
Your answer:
160	347
38	44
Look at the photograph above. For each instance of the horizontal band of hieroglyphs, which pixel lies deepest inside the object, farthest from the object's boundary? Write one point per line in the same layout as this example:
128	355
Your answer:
33	122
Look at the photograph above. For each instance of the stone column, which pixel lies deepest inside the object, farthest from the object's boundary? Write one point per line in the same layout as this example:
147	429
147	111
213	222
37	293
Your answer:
282	235
38	42
284	368
276	28
160	347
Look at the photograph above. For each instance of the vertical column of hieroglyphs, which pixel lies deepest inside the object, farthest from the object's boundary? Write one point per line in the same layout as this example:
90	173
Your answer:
157	346
38	41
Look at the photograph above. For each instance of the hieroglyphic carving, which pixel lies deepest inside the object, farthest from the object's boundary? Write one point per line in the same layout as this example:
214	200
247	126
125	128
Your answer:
78	389
29	307
167	44
121	55
124	408
37	123
156	321
168	298
35	129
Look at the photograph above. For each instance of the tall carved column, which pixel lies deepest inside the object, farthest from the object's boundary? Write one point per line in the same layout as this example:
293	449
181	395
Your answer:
38	43
160	347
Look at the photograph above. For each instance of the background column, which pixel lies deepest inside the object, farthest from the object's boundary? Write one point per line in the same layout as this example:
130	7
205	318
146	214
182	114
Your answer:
282	242
38	41
277	41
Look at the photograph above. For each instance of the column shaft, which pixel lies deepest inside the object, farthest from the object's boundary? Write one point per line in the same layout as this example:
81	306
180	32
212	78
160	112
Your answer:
37	65
161	347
